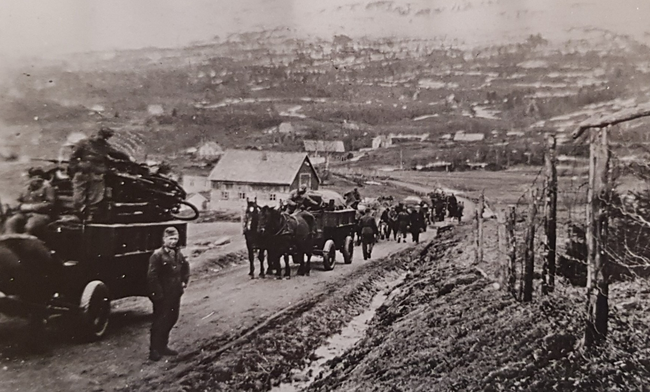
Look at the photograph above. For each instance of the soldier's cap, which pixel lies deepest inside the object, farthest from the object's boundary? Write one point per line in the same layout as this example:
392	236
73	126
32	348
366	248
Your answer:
170	231
106	132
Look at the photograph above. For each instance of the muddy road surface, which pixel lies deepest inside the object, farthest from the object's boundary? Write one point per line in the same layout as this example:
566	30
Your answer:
219	306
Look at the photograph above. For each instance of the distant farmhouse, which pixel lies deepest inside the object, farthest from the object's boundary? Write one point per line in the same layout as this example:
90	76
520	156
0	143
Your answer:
381	141
461	136
209	150
265	175
194	181
200	200
396	138
319	150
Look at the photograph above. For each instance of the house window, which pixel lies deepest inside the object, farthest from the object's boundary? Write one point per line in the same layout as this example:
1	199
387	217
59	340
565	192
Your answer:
225	195
305	179
242	195
272	197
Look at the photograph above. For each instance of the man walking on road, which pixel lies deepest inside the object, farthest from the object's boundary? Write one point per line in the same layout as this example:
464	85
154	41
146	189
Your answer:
167	277
369	232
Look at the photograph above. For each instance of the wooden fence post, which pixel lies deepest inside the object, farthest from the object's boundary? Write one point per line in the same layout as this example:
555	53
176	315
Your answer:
511	242
502	247
479	228
597	260
550	217
529	256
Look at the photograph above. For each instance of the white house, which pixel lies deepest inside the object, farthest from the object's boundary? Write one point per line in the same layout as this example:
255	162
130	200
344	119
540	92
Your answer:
266	175
381	141
200	200
209	150
461	136
194	183
155	110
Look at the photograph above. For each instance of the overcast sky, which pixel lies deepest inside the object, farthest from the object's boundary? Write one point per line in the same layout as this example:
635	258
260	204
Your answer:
45	27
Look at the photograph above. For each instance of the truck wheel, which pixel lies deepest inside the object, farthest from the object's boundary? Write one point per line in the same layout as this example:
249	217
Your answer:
329	255
95	307
348	250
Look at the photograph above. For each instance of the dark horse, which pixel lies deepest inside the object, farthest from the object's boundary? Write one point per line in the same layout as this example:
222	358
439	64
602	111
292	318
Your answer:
286	234
253	241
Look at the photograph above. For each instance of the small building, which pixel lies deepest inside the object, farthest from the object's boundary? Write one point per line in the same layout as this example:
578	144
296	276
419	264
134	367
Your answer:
381	141
155	110
396	138
195	182
265	175
286	128
200	200
324	148
209	150
461	136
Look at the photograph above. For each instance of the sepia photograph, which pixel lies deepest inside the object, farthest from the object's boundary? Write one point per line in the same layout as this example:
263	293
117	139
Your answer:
324	196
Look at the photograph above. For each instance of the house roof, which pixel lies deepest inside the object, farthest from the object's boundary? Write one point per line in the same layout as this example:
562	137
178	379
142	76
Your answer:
324	146
262	167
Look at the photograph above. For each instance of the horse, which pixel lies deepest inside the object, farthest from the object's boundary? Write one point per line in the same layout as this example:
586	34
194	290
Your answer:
287	234
250	222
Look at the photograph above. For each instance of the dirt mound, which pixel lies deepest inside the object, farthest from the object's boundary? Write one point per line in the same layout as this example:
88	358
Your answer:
464	334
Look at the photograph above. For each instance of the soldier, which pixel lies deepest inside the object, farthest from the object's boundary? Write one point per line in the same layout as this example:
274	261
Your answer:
167	277
369	232
88	164
299	199
37	203
403	224
417	224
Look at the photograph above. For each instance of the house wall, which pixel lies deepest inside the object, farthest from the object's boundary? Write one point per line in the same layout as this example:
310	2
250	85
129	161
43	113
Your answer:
196	184
232	196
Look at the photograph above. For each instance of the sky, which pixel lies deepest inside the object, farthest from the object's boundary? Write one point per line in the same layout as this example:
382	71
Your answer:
57	27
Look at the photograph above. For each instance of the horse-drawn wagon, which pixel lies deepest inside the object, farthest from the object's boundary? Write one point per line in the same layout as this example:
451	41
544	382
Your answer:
334	231
79	266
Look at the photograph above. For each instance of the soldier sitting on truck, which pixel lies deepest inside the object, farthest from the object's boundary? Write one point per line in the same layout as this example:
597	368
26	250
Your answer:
36	208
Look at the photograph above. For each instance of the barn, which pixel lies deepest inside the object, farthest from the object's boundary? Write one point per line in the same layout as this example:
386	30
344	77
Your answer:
265	175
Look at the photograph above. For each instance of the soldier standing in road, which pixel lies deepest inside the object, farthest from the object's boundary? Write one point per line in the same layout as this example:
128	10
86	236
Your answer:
417	224
37	203
403	224
369	232
88	164
167	277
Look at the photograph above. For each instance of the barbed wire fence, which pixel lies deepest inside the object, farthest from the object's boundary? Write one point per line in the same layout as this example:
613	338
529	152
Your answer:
603	220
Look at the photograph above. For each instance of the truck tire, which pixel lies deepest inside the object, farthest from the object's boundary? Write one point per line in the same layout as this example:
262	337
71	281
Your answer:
348	250
329	255
95	308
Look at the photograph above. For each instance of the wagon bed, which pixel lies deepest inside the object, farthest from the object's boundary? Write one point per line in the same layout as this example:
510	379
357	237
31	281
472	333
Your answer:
334	230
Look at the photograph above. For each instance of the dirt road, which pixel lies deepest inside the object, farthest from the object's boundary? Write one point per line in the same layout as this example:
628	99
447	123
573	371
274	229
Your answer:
214	305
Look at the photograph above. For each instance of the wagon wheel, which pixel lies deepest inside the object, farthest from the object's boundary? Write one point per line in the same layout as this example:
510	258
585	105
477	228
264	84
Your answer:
329	255
95	307
348	250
